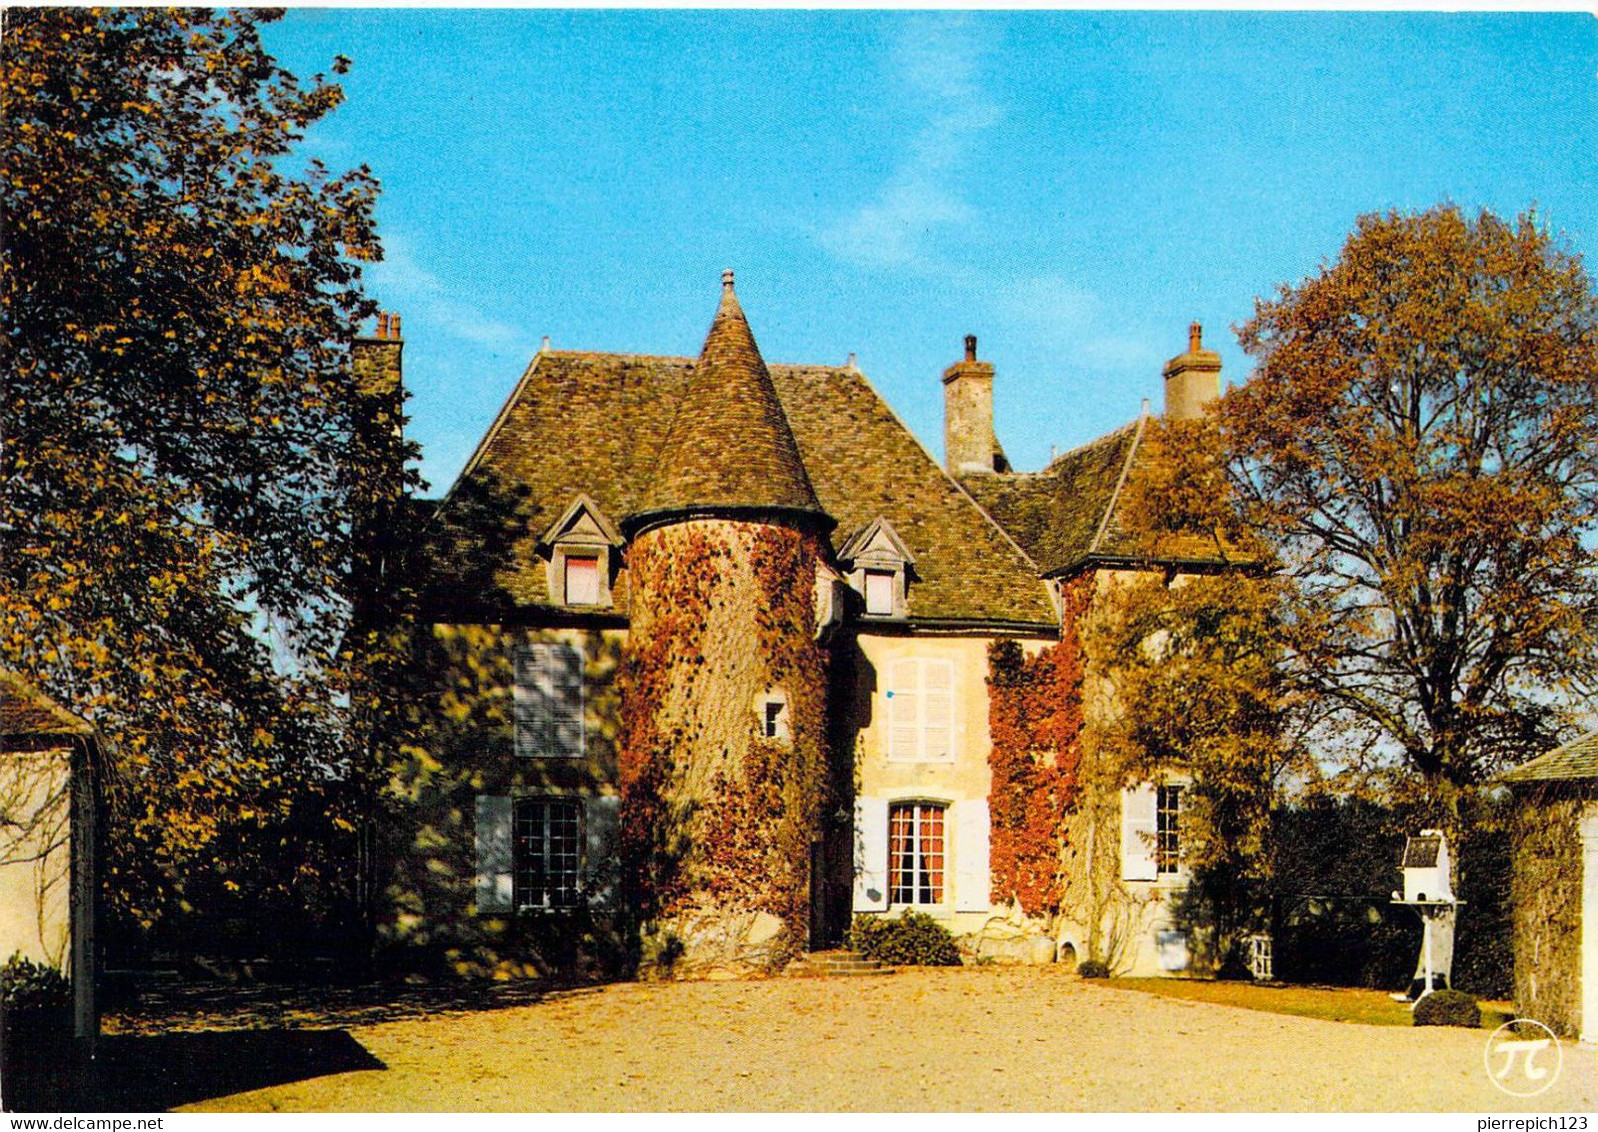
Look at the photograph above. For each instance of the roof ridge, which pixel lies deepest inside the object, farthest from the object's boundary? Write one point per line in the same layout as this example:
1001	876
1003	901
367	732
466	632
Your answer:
1120	481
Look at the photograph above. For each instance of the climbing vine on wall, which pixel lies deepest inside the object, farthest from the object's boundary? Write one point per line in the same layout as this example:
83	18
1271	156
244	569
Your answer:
1035	718
714	817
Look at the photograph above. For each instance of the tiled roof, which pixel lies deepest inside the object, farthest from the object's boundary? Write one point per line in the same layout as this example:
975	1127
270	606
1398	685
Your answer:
596	424
26	711
1073	513
729	444
1577	759
1058	515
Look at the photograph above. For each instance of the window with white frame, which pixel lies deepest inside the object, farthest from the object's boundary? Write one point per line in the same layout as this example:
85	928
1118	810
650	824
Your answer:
915	853
1167	830
920	698
548	701
582	580
546	851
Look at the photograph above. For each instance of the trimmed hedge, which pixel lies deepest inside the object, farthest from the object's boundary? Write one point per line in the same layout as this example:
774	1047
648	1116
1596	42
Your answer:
913	940
1448	1008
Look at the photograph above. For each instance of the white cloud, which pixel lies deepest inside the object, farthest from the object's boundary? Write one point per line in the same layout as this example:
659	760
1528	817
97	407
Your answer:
404	283
936	63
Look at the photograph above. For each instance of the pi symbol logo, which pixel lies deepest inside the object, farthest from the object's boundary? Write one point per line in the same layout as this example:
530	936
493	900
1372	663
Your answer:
1523	1057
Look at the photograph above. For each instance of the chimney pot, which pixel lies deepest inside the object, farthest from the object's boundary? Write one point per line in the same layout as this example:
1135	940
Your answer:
1195	337
850	363
382	324
970	347
394	325
726	279
544	349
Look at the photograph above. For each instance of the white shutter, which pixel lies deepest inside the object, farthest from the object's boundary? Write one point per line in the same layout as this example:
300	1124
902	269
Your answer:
494	860
904	709
937	709
970	821
1139	817
871	855
601	853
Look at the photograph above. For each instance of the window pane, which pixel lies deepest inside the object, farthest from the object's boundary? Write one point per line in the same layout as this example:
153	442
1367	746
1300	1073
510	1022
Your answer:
1167	833
548	853
915	854
582	581
879	592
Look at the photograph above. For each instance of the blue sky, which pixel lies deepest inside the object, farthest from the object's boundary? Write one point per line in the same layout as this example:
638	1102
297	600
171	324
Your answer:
1072	187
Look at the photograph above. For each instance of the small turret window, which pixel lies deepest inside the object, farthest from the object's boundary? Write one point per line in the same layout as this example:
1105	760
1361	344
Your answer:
771	715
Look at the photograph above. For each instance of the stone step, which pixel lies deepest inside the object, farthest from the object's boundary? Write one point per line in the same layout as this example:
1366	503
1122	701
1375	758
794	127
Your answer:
829	964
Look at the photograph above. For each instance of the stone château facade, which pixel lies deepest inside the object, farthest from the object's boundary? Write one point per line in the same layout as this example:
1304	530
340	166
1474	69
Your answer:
701	667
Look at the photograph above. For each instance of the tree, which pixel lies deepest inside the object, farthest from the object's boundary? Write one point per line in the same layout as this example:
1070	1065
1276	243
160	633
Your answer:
1195	664
185	445
1417	444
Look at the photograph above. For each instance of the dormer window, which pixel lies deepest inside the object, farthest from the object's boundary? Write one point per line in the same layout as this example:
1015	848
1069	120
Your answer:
880	568
771	715
581	545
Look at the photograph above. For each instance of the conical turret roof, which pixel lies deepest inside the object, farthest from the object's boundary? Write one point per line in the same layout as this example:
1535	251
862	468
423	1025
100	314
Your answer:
730	448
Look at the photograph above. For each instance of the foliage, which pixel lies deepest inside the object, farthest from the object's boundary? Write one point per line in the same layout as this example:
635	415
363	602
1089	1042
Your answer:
1416	445
1448	1008
712	815
1093	969
186	443
912	940
29	986
1194	661
1035	721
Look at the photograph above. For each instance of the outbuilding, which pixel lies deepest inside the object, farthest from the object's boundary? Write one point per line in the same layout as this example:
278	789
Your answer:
47	840
1555	888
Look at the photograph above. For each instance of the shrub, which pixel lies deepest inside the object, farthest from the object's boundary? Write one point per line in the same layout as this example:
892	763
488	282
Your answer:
1448	1008
1093	969
26	986
913	940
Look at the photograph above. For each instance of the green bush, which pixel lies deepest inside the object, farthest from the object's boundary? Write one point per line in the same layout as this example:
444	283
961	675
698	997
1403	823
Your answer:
1448	1008
913	940
26	986
1093	969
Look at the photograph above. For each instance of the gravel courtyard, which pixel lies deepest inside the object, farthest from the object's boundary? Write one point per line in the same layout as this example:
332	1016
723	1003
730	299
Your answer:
1008	1039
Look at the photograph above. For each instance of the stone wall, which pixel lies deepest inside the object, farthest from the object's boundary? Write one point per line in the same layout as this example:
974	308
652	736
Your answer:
462	747
1547	891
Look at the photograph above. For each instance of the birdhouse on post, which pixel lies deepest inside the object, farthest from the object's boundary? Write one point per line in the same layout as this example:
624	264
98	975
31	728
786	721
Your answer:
1425	869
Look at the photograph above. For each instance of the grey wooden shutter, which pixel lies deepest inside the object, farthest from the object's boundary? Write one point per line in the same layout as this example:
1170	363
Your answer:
495	880
601	848
547	704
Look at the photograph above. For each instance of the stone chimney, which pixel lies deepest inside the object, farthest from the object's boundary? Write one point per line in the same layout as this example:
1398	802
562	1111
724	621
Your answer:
1193	379
968	442
375	358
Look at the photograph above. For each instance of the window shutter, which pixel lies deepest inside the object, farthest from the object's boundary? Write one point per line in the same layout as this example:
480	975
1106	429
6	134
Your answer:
871	855
566	680
601	853
494	862
547	705
1139	817
938	709
904	709
970	821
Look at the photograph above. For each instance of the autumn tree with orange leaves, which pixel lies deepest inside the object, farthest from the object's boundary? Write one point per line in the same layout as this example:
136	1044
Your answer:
184	445
1417	444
